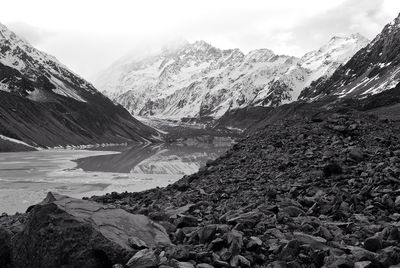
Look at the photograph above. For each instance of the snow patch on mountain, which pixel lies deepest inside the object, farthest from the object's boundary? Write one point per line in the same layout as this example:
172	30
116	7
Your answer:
372	70
36	65
15	141
324	61
199	80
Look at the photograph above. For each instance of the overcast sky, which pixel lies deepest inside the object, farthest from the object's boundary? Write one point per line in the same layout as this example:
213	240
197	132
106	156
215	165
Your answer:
88	35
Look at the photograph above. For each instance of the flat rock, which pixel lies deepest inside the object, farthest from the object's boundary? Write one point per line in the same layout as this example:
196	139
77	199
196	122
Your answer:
68	232
314	241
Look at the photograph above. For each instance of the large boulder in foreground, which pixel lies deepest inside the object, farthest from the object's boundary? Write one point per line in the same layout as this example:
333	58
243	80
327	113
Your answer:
66	232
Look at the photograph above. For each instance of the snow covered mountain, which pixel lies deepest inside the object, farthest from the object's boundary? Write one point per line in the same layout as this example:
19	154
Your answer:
198	80
323	62
44	104
372	70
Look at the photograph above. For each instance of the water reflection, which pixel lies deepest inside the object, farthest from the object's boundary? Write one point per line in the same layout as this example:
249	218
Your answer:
26	177
171	159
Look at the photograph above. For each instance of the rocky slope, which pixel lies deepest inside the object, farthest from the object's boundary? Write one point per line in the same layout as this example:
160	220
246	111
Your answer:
372	70
199	80
322	192
45	104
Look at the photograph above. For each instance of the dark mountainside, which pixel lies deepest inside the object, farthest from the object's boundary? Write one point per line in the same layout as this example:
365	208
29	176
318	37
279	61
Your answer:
46	105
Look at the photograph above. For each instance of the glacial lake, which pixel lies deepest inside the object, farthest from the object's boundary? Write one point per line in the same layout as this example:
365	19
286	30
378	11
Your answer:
26	177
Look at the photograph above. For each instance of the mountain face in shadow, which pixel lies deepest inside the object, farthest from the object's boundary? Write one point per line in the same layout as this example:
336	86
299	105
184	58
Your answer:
45	104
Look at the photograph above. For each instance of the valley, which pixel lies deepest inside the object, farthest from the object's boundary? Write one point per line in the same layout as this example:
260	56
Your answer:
199	157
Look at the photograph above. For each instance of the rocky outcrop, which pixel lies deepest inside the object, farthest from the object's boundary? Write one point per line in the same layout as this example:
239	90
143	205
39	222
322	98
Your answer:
67	232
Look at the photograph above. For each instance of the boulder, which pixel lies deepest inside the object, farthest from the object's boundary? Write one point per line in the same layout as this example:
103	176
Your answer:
373	243
315	242
186	221
293	211
356	154
235	241
67	232
146	258
254	243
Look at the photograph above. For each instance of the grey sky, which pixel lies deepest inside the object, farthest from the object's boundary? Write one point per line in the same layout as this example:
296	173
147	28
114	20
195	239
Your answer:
89	35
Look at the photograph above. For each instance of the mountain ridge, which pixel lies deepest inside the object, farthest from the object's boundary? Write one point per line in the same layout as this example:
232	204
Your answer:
199	80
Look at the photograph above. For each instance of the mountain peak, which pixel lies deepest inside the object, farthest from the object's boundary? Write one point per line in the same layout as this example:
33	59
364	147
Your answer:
357	37
201	45
202	80
260	54
377	62
395	22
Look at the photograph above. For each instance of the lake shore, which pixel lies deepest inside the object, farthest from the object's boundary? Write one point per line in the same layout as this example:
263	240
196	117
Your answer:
321	192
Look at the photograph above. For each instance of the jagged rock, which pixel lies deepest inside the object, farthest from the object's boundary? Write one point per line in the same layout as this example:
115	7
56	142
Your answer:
179	252
69	232
137	243
143	259
216	244
239	261
314	241
389	256
254	243
290	250
186	221
174	212
235	242
361	254
206	233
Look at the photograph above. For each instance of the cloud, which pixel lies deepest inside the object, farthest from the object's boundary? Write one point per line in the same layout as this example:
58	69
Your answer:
351	16
89	38
32	34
